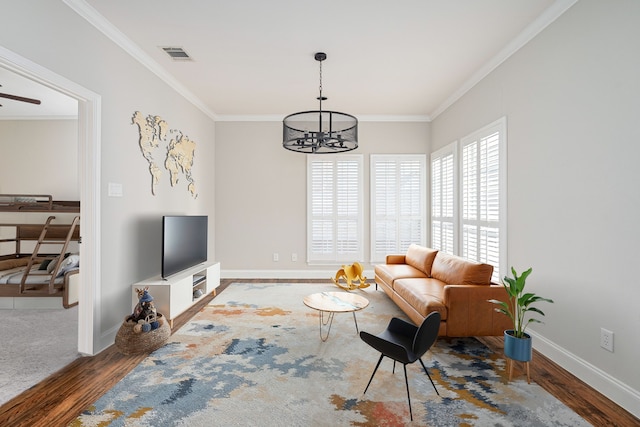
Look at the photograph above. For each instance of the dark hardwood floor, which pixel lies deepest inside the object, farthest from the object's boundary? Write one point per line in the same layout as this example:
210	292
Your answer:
59	399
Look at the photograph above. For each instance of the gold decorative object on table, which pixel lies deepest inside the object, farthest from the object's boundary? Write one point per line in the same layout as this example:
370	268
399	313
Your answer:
352	275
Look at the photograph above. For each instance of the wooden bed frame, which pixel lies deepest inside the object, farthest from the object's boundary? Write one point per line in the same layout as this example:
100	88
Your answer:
36	203
44	236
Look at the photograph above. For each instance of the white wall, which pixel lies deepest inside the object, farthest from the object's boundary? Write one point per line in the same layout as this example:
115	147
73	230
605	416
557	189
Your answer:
261	194
34	149
572	101
55	37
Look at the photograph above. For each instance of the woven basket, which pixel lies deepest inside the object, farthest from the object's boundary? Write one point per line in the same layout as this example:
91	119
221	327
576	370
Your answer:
130	342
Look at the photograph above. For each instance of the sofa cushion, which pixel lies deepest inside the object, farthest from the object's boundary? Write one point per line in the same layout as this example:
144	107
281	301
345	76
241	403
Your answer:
424	295
454	270
421	258
390	272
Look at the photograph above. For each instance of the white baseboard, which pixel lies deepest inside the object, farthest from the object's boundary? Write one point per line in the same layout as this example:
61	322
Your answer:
611	387
286	274
6	303
31	303
108	338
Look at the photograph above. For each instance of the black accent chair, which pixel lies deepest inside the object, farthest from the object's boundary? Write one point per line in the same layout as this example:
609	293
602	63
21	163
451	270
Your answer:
405	343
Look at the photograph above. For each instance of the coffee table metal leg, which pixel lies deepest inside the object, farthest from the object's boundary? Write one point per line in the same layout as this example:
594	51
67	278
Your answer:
323	322
356	322
329	321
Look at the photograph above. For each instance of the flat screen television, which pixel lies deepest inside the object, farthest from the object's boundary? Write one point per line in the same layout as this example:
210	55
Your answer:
184	242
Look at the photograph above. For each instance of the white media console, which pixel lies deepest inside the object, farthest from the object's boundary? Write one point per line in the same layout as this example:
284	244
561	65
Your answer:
174	295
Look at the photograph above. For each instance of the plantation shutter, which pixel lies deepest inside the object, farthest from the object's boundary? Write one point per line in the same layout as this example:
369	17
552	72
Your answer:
334	230
483	178
443	199
398	213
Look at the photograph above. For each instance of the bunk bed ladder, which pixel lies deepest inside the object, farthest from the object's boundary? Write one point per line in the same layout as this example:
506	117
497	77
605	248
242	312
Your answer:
42	239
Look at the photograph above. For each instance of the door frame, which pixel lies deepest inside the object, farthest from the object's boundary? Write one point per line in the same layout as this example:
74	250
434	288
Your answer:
89	122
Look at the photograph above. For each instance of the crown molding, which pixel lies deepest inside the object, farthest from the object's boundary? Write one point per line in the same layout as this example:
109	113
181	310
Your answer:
545	19
250	117
7	118
99	22
361	118
105	27
390	118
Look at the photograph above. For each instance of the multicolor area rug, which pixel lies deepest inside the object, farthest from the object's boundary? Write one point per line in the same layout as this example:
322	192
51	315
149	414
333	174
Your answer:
254	357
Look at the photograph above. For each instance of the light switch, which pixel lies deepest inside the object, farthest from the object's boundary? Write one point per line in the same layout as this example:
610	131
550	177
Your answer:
114	189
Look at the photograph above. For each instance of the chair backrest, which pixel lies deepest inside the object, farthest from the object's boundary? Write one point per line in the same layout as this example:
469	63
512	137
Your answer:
427	334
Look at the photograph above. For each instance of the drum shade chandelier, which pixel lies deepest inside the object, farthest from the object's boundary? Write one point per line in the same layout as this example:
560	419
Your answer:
320	132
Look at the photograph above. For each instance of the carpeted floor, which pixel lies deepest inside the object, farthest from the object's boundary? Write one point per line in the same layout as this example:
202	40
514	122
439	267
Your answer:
35	344
254	358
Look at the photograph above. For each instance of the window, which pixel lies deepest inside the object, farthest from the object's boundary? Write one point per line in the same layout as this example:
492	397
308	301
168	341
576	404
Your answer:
479	177
334	209
483	174
398	199
444	199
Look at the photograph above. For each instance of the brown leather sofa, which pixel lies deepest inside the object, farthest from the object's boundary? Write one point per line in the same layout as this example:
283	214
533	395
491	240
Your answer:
425	280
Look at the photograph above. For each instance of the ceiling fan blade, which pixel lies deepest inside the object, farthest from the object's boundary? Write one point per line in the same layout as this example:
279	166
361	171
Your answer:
20	98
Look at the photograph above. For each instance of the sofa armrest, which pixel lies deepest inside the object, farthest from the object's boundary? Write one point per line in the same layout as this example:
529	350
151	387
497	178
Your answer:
395	259
469	313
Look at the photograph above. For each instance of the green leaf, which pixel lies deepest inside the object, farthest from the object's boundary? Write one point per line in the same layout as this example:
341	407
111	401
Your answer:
536	309
521	302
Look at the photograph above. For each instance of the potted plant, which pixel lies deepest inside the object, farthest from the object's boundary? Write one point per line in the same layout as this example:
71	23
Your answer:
517	343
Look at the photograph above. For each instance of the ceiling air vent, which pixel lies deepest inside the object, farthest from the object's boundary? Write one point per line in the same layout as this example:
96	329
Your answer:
177	53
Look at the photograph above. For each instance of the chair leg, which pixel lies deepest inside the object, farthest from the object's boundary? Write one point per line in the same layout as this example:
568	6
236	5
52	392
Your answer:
406	381
427	372
374	372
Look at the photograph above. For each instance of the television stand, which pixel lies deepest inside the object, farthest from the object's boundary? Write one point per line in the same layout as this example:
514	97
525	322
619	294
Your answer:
175	294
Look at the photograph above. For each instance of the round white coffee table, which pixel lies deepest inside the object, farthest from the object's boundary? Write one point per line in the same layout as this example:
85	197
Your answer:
332	303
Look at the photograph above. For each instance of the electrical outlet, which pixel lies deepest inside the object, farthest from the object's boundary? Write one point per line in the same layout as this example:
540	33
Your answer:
294	257
606	339
276	257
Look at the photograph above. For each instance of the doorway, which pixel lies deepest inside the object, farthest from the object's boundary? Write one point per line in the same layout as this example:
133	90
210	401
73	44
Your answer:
89	175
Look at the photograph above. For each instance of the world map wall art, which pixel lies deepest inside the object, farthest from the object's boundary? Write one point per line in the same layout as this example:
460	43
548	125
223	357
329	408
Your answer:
171	147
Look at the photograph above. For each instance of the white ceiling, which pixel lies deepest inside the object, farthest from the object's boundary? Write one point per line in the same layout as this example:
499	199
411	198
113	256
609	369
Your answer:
407	59
53	104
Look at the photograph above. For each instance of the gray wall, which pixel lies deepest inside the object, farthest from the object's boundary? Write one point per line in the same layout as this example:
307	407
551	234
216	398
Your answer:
33	149
261	191
572	101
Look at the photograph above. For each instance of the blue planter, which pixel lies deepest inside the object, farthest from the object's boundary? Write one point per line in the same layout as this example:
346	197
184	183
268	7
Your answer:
519	349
